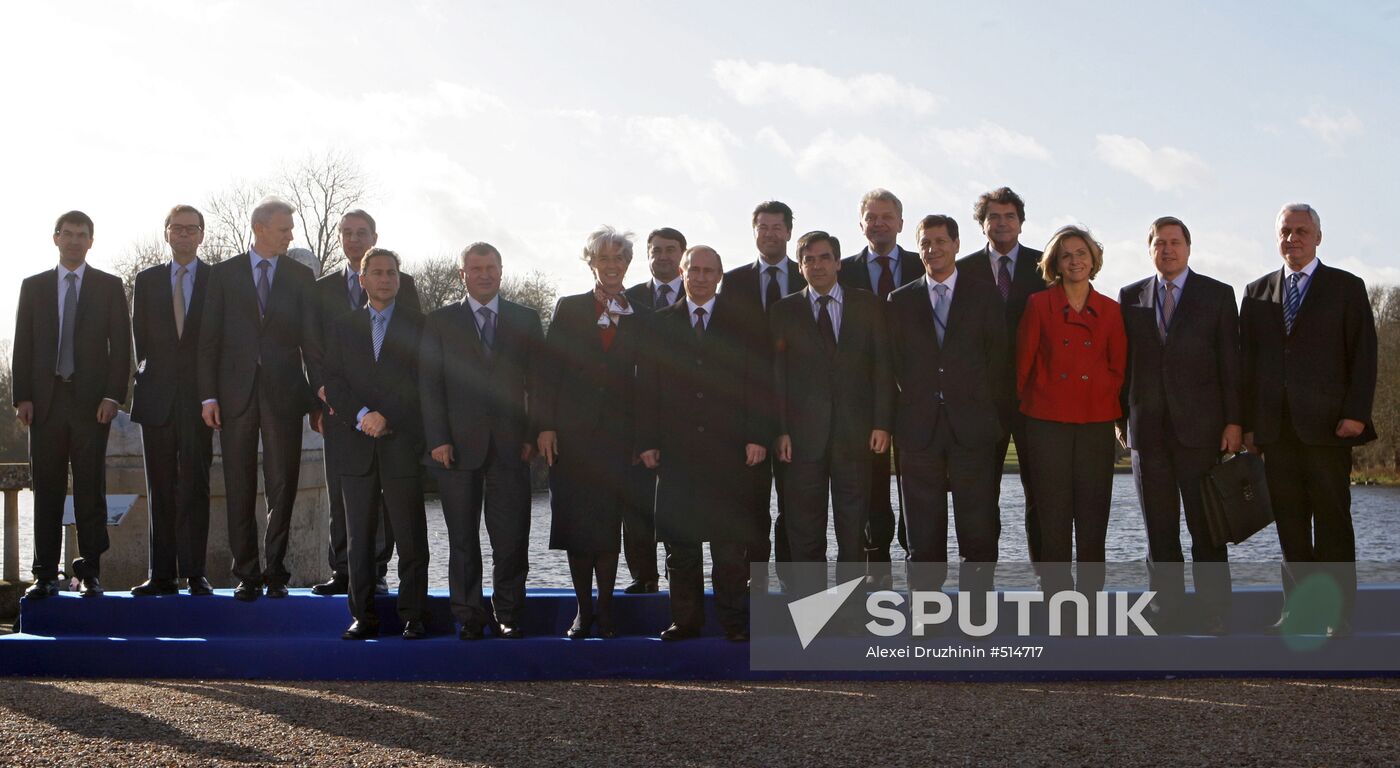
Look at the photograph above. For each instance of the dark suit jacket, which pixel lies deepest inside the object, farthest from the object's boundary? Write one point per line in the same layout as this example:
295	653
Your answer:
644	294
825	398
580	389
389	385
745	282
470	400
101	342
1025	281
702	403
166	362
1323	372
235	343
1189	384
855	274
965	368
331	301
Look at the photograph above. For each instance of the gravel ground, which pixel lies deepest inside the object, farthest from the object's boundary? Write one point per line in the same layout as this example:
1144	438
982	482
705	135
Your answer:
1221	722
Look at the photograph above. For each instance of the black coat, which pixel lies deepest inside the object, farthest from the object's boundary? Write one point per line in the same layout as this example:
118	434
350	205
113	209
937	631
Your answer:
855	274
101	342
1324	371
746	282
235	342
703	402
965	368
1026	280
331	301
644	294
1189	385
825	397
471	400
166	361
389	385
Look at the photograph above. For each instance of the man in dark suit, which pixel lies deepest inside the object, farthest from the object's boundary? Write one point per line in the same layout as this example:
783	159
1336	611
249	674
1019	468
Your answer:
1182	408
372	387
167	305
256	341
709	356
1014	270
1309	341
881	266
337	294
948	336
665	247
835	393
760	284
474	372
72	361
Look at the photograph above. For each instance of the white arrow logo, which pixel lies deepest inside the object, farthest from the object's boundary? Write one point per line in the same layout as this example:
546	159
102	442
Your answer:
811	613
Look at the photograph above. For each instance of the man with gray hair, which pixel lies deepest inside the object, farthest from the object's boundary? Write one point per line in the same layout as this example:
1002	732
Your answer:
1309	343
256	342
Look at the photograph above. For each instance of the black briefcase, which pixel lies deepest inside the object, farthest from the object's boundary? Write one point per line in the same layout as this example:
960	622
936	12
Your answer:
1236	496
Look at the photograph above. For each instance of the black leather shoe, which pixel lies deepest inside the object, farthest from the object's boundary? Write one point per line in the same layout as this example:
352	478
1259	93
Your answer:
277	591
606	630
677	632
332	587
469	633
41	589
414	630
1342	629
247	592
580	628
381	587
154	587
1214	625
200	586
91	587
643	587
509	631
361	630
739	635
1277	627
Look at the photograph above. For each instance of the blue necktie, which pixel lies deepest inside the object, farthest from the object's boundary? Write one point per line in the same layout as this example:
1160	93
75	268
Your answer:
940	311
380	323
488	328
66	364
264	287
1291	302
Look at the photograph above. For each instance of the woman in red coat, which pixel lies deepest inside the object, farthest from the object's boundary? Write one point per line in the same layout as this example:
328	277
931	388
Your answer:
1071	355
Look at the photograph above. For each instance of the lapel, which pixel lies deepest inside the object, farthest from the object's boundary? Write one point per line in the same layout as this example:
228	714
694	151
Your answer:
809	320
242	266
471	332
796	281
201	280
1189	299
1274	286
86	296
362	332
281	287
1146	301
910	266
924	317
982	260
46	308
1317	282
860	270
165	305
956	311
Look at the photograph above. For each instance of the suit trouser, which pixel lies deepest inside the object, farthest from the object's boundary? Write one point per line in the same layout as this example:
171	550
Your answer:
1072	467
336	552
639	524
769	475
1169	478
178	454
1310	487
930	473
1024	459
847	478
69	438
879	531
502	488
281	469
729	574
367	499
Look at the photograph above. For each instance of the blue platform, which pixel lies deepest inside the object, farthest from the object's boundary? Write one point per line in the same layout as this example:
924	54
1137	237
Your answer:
178	636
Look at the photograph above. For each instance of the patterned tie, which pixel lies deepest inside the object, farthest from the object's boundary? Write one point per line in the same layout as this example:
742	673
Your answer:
1291	302
1004	277
488	328
380	323
773	293
825	327
179	300
66	333
699	323
264	288
663	296
886	282
940	311
1168	308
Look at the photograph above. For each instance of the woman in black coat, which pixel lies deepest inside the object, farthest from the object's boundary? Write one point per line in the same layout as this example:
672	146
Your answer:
583	407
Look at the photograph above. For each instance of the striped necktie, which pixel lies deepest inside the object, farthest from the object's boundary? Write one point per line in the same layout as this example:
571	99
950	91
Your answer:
380	324
1291	301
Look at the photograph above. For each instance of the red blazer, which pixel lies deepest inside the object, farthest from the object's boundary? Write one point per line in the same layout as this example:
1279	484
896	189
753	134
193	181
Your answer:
1070	365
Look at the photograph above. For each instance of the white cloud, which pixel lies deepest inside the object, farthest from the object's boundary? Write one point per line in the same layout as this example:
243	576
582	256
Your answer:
1165	168
987	143
768	136
697	148
1334	130
816	91
861	162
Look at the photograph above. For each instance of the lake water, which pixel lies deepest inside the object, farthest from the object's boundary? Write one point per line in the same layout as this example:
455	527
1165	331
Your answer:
1375	515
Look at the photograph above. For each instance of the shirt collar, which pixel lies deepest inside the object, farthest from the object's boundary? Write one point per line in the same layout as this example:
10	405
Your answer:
708	306
995	256
257	257
62	271
349	273
388	312
950	281
1307	271
893	255
189	268
763	266
835	294
675	285
1179	281
494	304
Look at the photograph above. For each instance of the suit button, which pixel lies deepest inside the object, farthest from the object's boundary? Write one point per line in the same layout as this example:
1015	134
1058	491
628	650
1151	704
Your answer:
1066	342
1064	375
940	370
699	395
1084	377
1088	343
700	429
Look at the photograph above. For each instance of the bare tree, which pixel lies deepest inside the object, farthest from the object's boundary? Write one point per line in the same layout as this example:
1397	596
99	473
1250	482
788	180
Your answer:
323	188
147	251
437	280
1384	452
228	229
14	445
535	290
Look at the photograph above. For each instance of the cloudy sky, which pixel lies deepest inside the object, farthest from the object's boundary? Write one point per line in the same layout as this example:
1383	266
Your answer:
527	124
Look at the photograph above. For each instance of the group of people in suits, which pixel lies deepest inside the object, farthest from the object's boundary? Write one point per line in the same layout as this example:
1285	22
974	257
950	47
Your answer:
671	411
